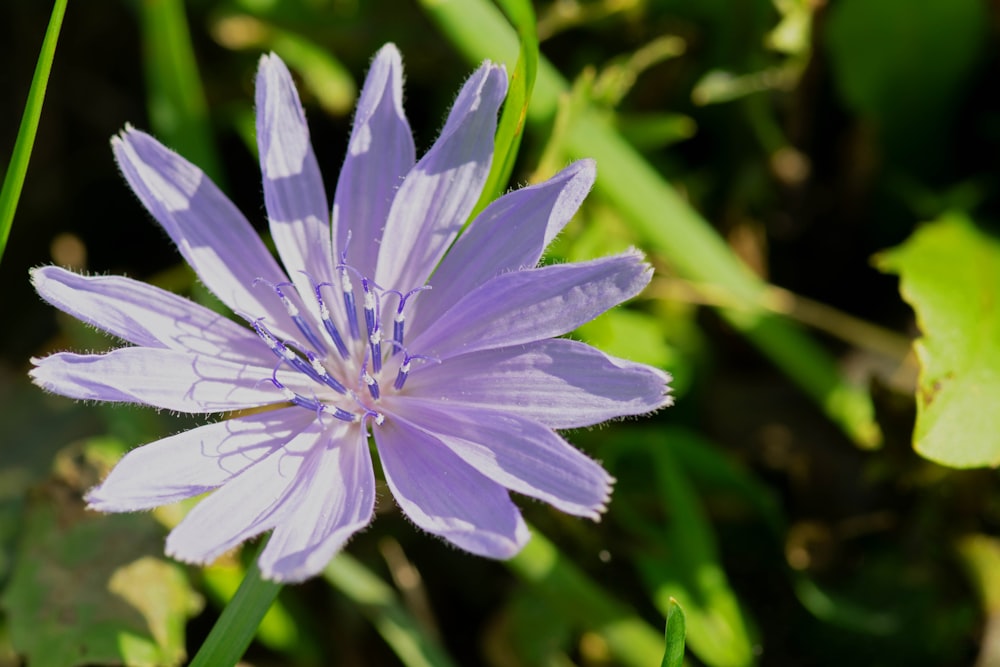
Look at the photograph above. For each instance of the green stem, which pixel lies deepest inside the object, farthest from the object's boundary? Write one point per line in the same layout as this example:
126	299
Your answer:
236	627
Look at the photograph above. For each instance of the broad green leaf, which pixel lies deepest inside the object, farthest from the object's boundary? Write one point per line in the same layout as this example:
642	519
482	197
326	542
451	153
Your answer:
668	224
85	590
674	635
950	274
18	167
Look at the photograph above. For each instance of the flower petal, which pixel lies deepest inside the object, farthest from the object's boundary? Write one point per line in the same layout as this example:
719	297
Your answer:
254	501
510	234
524	306
210	232
334	499
379	154
518	453
195	461
168	379
439	192
446	496
561	383
293	186
146	315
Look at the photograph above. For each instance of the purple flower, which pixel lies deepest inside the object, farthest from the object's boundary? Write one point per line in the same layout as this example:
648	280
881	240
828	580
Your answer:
383	322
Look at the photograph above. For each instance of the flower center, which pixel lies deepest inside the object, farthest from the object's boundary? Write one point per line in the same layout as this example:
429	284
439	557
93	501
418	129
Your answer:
348	364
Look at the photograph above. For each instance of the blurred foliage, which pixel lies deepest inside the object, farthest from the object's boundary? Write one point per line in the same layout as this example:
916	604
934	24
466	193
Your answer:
812	135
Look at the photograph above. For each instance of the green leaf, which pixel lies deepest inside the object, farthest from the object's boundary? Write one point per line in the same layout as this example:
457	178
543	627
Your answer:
85	589
950	274
674	635
18	167
510	129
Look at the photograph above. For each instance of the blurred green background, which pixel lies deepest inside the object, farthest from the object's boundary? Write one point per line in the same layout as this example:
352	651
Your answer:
761	152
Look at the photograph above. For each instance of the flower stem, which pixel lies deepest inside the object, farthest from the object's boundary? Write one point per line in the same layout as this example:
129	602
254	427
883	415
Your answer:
236	627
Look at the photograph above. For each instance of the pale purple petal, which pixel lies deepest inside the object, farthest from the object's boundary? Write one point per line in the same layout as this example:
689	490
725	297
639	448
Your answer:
525	306
293	186
180	381
379	154
560	383
210	232
146	315
446	496
254	501
195	461
518	453
439	193
510	234
335	498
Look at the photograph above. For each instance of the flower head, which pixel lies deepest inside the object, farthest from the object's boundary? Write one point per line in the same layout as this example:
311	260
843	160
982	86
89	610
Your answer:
383	321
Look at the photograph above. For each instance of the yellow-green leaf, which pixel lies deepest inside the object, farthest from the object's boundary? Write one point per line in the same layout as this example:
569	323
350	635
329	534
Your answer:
950	273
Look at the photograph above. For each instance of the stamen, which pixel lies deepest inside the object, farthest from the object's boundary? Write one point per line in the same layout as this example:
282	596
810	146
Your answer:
312	404
324	375
293	312
399	322
331	328
349	304
401	375
372	326
371	382
404	368
285	353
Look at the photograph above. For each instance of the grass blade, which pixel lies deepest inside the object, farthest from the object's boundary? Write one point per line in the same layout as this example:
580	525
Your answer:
674	635
18	167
